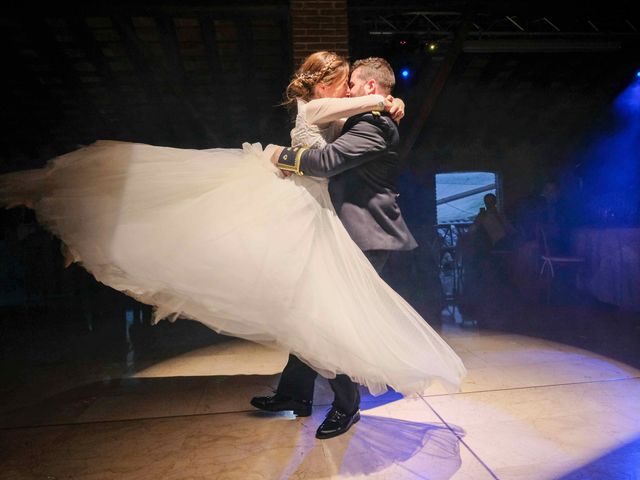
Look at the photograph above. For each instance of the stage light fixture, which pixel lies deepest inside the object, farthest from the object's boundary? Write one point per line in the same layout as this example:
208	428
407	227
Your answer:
405	73
431	47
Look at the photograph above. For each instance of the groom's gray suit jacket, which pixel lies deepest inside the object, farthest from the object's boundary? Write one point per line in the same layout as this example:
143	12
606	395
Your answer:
362	165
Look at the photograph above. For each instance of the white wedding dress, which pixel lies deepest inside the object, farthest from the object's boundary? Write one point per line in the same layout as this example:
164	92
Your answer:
220	237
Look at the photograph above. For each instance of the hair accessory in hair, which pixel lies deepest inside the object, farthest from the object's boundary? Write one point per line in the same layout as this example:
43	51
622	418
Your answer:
308	77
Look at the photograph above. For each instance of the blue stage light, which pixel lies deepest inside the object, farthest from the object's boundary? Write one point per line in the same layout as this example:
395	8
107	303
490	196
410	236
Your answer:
405	73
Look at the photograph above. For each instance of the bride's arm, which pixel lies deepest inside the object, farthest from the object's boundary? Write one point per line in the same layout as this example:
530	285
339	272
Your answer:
326	110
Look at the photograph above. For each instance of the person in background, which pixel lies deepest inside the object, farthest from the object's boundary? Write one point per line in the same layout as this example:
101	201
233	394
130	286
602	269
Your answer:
493	225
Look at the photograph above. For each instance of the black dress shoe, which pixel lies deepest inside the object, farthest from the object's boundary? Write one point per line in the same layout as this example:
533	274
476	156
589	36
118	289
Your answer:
336	423
279	403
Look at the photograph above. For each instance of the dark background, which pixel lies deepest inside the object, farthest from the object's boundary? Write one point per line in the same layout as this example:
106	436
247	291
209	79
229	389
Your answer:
529	105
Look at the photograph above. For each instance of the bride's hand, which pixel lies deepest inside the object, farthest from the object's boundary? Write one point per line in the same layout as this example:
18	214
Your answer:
395	107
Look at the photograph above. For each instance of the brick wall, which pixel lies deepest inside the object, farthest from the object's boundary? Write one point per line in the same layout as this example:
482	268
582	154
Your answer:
318	25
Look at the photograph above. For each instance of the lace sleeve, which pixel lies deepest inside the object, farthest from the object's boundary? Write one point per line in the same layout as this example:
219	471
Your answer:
321	111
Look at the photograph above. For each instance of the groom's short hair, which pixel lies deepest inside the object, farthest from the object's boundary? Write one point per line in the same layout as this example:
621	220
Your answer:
378	69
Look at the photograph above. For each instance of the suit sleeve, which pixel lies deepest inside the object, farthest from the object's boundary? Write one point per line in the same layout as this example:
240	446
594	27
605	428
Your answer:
363	142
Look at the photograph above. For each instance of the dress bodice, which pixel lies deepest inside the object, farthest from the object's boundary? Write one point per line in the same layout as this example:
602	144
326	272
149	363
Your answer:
306	134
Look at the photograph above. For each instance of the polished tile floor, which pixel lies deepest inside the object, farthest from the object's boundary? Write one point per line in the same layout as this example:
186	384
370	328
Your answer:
553	392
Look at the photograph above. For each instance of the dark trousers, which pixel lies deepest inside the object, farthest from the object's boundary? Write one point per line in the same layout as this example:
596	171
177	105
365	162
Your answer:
298	379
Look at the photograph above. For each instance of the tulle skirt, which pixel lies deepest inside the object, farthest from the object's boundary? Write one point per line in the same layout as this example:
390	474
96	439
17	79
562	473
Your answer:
219	236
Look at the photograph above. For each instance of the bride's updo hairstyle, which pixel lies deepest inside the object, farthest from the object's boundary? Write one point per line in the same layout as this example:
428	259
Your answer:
319	67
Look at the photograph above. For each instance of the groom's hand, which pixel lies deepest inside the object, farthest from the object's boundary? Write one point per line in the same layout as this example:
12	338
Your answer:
276	155
274	159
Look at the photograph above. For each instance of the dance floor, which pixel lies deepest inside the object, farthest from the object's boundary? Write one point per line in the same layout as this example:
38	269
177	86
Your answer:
532	407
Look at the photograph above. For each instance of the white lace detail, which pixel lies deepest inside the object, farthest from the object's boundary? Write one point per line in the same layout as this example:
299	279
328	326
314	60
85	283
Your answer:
312	136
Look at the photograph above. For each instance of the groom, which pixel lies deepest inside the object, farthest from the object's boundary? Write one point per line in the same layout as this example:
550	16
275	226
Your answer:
362	164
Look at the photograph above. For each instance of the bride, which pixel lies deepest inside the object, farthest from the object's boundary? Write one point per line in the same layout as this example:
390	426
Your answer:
219	236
